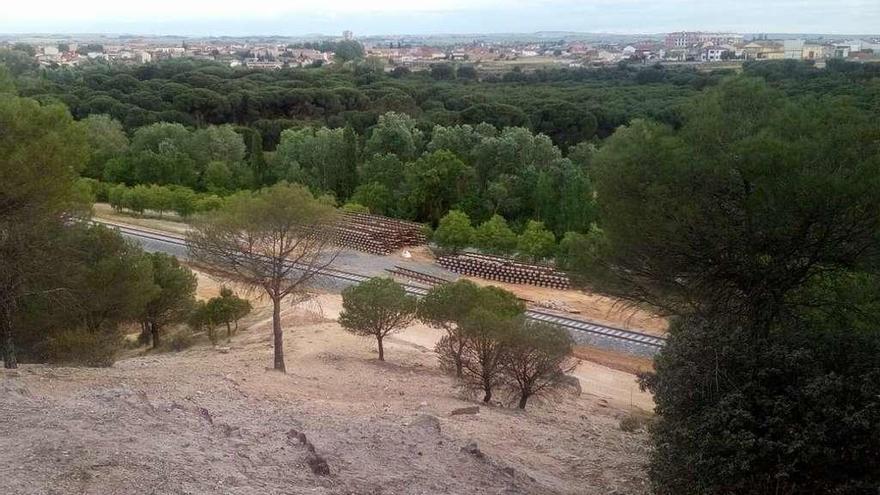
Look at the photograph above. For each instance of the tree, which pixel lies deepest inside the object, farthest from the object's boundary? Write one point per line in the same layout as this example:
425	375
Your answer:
107	140
322	158
376	308
174	300
758	231
40	151
436	182
486	329
454	232
536	241
747	202
494	236
347	50
582	254
277	239
395	133
536	358
443	307
443	72
215	144
108	279
226	309
375	197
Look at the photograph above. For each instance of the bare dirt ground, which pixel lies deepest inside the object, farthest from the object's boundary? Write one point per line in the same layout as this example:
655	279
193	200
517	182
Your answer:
215	420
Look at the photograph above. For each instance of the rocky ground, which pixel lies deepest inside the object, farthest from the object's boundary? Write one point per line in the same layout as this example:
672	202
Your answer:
215	420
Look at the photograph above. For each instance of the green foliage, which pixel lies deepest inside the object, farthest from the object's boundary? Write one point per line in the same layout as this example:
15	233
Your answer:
750	199
536	358
536	242
355	208
175	298
226	309
80	347
454	232
375	197
397	134
448	306
792	411
323	159
494	236
754	227
582	254
40	151
289	244
107	140
435	183
347	50
376	308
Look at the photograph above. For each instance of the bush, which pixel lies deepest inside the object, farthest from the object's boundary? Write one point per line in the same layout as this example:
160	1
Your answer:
494	236
82	348
797	411
180	341
536	242
454	232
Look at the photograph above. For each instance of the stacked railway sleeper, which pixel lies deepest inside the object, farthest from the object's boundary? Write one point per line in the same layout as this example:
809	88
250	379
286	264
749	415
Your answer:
505	270
377	234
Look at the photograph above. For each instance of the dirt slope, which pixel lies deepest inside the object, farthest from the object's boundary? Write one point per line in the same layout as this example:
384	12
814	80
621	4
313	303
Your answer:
216	421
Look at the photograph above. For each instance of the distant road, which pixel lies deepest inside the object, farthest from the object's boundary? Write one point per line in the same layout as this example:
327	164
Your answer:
584	332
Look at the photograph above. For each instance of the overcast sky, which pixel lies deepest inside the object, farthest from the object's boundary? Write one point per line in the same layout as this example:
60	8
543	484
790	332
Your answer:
364	17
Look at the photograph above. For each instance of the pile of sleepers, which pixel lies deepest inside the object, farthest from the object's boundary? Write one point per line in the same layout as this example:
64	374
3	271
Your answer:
505	270
377	234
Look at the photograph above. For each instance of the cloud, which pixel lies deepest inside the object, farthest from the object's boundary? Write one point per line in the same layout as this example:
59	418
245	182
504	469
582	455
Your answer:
292	17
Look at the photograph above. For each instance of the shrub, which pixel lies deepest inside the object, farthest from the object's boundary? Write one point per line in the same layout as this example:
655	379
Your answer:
536	242
494	236
80	347
454	232
180	341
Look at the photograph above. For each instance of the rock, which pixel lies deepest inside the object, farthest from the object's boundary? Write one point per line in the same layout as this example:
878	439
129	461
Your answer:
426	422
206	415
318	464
423	404
573	383
509	471
473	449
465	410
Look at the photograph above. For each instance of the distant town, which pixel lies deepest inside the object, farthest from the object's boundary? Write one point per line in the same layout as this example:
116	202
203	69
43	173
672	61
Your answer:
485	52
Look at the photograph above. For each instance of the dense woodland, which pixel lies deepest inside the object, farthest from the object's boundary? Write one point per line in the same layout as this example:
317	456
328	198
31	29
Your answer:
745	207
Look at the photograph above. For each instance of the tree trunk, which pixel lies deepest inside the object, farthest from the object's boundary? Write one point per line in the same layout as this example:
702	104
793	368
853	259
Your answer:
228	332
9	360
277	333
522	401
145	333
381	350
154	333
488	395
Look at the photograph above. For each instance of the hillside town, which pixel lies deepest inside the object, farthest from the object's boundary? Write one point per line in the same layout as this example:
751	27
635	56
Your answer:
687	47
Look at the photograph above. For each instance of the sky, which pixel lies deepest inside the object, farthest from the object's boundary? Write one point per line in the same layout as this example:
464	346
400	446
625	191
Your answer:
374	17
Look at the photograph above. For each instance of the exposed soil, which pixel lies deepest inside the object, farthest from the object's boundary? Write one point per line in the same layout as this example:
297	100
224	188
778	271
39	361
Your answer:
215	420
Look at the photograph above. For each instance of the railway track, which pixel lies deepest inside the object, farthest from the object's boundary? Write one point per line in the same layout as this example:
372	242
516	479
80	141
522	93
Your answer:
646	341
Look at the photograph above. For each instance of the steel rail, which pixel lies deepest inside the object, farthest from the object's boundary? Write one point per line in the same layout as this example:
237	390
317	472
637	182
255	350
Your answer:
630	336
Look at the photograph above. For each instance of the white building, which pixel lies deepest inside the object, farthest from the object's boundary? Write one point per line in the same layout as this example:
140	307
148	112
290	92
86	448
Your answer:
713	54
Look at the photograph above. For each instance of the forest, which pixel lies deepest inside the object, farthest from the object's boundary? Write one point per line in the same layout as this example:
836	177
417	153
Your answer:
743	207
510	149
